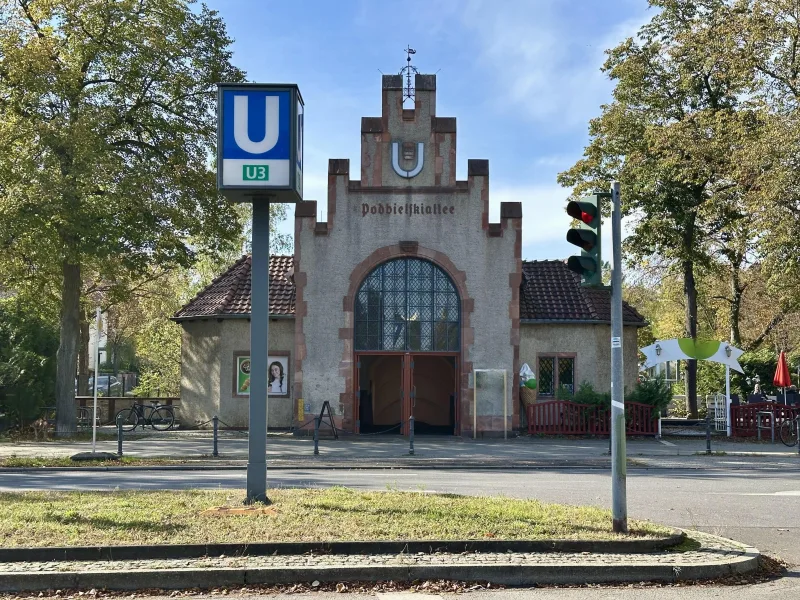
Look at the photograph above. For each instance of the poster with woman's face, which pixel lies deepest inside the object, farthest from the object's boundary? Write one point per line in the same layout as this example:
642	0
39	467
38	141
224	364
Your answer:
277	376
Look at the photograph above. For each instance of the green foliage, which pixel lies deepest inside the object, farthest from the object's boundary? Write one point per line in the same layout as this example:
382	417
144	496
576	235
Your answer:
653	392
586	394
28	345
107	124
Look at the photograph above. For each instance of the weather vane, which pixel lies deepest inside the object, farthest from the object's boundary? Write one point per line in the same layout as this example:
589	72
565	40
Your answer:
408	71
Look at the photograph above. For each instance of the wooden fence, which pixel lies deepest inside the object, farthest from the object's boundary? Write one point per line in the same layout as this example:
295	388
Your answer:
744	418
562	417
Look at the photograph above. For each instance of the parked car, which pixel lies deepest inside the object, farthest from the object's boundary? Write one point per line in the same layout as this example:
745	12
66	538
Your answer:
108	385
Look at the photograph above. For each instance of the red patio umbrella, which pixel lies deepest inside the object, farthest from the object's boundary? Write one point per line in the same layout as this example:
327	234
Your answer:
782	378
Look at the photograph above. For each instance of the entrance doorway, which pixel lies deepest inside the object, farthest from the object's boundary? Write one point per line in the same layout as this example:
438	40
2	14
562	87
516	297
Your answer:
392	387
434	394
380	398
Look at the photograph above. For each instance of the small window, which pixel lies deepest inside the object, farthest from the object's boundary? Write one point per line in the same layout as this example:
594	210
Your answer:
555	372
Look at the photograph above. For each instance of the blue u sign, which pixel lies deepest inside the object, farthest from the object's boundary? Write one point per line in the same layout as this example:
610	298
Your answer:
260	145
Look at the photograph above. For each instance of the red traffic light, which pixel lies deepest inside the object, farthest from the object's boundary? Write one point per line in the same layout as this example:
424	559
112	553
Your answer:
582	211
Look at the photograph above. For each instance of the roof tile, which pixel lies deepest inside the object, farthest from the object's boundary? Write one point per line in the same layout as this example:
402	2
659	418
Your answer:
549	292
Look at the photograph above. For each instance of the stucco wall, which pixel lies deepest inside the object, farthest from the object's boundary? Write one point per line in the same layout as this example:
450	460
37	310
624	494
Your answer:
590	343
200	372
208	388
332	258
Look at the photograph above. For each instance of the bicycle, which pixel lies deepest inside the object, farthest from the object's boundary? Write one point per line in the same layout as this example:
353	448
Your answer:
161	416
788	432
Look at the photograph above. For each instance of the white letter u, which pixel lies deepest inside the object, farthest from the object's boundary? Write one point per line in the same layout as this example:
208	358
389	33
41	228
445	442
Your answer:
240	134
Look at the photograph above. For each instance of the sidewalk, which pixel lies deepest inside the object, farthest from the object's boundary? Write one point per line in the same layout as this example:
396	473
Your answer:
284	449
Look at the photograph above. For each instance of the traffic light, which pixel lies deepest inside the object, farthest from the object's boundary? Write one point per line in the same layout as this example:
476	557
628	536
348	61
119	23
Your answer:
588	212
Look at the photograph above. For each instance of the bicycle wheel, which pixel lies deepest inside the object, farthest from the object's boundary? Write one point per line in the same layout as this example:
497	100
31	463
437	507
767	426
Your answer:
788	433
130	419
162	418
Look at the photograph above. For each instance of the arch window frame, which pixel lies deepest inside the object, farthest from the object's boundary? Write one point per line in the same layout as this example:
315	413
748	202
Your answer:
407	304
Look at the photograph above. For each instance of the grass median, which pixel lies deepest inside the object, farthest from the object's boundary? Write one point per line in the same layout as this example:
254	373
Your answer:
139	517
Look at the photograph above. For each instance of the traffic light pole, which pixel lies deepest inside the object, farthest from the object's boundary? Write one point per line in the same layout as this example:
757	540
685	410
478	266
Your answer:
618	452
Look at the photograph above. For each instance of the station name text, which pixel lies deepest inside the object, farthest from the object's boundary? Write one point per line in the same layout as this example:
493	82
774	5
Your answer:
405	209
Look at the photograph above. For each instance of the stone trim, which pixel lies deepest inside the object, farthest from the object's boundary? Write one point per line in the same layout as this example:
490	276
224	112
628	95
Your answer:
347	362
515	281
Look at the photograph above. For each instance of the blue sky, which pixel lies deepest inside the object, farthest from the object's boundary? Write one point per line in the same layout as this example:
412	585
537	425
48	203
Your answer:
521	76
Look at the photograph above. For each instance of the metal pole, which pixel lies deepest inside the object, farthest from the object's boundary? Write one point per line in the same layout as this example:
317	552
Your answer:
259	346
708	432
96	371
505	404
119	435
618	452
411	435
215	420
797	431
728	399
316	435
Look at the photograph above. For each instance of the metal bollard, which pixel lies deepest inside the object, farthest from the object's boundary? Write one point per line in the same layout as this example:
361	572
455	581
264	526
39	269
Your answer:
411	435
798	433
316	435
708	433
119	435
215	420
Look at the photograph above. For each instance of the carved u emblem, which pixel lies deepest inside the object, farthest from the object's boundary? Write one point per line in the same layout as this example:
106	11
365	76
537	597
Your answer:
396	161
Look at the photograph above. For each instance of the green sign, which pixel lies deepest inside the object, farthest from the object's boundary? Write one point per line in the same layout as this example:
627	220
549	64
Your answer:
243	375
255	172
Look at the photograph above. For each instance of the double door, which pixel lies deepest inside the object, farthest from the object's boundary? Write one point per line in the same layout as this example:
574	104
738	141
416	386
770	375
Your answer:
425	387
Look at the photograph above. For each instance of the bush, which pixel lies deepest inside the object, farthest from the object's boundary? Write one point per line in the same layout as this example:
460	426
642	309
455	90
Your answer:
28	346
653	392
586	394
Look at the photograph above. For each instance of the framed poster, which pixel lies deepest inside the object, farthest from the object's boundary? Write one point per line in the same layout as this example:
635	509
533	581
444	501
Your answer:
277	375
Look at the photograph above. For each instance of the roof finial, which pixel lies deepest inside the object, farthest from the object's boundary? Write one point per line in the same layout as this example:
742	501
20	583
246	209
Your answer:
408	71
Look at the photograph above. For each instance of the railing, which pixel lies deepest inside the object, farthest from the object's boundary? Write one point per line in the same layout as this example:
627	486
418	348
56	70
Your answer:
744	418
561	417
109	406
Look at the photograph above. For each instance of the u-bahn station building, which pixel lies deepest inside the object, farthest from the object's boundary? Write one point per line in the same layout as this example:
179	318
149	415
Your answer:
407	300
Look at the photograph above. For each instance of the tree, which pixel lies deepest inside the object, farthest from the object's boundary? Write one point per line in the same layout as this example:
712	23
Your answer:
28	345
669	136
107	121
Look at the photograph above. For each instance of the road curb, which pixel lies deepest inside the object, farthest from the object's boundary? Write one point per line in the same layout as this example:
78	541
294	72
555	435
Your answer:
505	574
400	464
178	551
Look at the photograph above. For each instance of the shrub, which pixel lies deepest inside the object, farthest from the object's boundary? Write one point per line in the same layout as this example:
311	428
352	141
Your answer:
653	392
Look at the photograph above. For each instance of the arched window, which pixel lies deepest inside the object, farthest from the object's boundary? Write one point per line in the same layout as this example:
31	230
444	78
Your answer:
407	304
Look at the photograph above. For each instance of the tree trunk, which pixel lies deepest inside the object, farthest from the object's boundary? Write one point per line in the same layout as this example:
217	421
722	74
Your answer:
83	358
737	292
67	355
690	292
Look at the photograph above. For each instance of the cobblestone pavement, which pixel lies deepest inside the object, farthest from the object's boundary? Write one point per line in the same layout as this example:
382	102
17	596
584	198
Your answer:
712	550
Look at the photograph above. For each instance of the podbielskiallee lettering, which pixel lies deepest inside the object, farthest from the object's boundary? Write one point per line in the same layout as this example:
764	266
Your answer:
406	209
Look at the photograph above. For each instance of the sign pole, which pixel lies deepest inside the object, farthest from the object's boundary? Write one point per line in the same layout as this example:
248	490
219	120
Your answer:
259	348
96	377
618	452
728	399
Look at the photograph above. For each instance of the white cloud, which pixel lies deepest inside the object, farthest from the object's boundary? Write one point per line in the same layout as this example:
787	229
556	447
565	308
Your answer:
551	71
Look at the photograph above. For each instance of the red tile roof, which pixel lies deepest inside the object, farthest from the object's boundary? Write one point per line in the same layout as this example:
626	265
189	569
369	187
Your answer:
550	292
229	294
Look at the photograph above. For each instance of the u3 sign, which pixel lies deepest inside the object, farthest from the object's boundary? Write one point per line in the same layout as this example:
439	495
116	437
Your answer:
260	142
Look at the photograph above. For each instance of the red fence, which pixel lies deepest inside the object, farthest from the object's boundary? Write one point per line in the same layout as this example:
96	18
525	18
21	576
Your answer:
561	417
744	418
